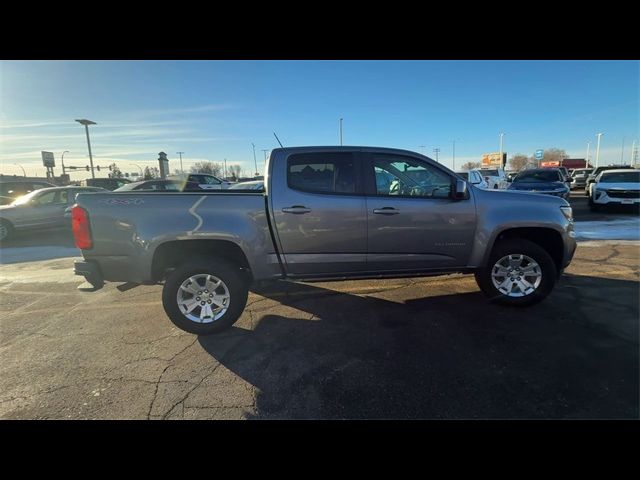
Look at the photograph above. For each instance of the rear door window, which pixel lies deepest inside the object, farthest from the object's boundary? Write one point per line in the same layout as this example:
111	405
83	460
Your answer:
329	173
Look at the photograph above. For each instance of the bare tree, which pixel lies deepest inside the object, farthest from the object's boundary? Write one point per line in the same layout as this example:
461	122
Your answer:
213	168
234	171
518	162
471	165
554	155
115	172
151	172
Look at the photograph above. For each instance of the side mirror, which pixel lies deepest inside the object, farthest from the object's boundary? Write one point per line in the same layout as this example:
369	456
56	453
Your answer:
461	190
67	212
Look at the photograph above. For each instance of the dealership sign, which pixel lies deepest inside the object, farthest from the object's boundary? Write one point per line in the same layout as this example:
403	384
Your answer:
48	160
494	160
550	164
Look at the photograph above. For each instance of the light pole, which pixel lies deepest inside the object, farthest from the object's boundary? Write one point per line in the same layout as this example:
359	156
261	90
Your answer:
23	172
598	149
423	146
86	124
181	169
586	162
622	152
437	151
340	131
501	135
254	158
632	159
225	168
265	155
136	165
454	155
66	151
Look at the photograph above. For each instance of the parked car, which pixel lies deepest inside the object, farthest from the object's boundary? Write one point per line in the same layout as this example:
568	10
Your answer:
565	173
474	177
615	187
161	186
592	176
255	185
106	183
41	209
204	180
579	177
546	181
13	189
495	178
326	217
510	175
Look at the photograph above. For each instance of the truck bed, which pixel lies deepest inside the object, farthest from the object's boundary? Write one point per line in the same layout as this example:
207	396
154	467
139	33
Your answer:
128	227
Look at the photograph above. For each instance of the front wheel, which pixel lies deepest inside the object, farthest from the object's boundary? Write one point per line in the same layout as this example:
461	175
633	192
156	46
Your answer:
519	273
205	296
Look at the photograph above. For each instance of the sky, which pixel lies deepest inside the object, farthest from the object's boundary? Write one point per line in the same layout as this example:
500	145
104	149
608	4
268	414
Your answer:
213	110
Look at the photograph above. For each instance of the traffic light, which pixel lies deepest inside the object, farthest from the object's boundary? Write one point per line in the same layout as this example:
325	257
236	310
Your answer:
98	167
87	168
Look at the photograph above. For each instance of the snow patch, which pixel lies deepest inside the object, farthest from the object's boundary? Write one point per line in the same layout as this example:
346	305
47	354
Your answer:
614	229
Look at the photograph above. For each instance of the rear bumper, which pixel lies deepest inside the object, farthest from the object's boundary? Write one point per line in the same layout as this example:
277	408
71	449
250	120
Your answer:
90	271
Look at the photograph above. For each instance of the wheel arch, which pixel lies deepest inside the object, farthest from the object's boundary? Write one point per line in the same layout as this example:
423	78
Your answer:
547	238
170	254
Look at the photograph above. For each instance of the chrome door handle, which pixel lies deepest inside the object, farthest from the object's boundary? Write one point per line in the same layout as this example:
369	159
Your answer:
296	209
386	211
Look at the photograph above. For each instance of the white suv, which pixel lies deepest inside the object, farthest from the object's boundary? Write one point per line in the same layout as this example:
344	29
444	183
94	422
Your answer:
474	177
495	178
615	187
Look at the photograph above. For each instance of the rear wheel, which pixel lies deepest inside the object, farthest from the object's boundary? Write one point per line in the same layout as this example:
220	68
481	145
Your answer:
205	296
519	273
6	230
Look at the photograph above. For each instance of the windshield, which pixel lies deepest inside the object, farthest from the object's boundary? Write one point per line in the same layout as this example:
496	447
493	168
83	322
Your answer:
538	176
621	177
25	198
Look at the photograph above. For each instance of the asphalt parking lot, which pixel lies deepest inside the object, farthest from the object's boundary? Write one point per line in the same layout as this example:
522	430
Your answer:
410	348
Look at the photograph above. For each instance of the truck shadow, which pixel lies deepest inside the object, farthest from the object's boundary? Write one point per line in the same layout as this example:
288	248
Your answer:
339	355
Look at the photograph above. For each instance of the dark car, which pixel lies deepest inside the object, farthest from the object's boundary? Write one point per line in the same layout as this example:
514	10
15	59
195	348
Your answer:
547	181
12	189
161	186
106	183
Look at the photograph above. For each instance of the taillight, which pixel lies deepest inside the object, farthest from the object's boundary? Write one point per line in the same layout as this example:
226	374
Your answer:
80	227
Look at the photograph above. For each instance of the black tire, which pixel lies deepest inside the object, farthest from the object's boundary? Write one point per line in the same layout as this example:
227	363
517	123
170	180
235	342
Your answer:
6	230
594	207
226	271
530	249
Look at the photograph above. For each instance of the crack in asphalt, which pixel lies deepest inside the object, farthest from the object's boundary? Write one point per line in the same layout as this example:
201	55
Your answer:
155	393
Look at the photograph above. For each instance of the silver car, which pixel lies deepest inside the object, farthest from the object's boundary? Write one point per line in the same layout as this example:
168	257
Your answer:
40	209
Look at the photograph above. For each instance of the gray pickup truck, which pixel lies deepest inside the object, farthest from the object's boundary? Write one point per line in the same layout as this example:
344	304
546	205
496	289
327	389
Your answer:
326	213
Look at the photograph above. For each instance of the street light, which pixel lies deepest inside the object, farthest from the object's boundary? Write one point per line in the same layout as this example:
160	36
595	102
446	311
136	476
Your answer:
254	158
181	169
86	124
501	135
23	172
598	149
586	162
66	151
136	165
